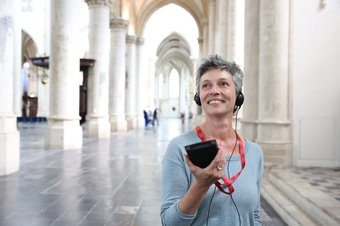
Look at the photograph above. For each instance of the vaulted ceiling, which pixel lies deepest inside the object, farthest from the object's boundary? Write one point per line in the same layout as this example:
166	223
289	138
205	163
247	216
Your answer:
174	52
139	11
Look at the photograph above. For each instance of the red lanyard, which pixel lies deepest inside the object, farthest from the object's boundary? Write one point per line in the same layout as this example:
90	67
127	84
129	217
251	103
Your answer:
227	182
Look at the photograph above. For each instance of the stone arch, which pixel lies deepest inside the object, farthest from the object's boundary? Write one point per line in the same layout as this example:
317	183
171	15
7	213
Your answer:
190	6
174	53
28	76
176	50
29	48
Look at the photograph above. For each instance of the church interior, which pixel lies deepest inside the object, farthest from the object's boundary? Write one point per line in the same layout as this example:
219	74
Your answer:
82	71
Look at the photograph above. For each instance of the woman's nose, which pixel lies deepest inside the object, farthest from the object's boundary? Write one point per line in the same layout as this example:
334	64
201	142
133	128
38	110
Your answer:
214	90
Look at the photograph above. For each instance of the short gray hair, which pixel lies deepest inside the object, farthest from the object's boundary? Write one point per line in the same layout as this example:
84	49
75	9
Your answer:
216	62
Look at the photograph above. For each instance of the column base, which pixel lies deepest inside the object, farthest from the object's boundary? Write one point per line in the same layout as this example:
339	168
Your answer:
118	124
98	127
249	129
9	152
131	122
274	139
63	134
276	154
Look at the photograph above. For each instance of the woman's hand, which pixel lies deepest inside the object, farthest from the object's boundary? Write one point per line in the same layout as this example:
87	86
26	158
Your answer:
209	175
204	179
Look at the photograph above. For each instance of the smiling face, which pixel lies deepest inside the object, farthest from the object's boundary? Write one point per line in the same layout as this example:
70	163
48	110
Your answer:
217	92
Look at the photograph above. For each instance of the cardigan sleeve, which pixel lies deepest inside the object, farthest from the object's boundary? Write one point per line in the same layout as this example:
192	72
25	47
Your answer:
176	180
257	217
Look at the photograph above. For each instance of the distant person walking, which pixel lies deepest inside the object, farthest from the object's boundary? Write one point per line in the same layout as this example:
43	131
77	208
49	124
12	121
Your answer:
155	117
183	117
146	119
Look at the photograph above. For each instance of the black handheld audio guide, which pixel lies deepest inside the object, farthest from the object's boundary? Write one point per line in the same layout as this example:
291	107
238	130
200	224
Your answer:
201	154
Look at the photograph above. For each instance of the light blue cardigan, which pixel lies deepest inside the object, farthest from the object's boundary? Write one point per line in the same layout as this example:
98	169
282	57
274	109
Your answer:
176	180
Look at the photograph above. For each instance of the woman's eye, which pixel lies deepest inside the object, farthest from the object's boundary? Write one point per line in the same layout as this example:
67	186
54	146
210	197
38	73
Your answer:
204	85
224	84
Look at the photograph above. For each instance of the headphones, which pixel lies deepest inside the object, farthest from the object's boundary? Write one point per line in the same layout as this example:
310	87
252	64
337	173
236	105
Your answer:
238	103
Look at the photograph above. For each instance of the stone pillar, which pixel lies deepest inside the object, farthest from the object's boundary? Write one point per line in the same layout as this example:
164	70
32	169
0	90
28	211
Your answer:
184	91
211	24
63	129
98	79
221	45
157	82
200	46
251	69
150	82
273	132
205	43
235	35
131	89
194	108
140	62
9	135
117	74
17	58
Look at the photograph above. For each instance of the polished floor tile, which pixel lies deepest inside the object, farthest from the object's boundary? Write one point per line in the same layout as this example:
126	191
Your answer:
112	182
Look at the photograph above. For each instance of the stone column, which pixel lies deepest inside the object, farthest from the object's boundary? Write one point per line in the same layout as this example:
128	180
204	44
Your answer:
17	58
221	45
193	106
235	35
98	79
251	69
204	40
150	82
131	89
184	91
9	135
157	82
117	74
273	132
200	46
63	129
140	62
211	24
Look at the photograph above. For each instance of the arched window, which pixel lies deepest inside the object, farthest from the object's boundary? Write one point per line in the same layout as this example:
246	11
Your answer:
174	84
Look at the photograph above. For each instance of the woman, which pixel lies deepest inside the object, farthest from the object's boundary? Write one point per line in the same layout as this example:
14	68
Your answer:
196	196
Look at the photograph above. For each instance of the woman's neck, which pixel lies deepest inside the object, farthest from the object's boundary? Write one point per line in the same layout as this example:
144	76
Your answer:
224	134
218	129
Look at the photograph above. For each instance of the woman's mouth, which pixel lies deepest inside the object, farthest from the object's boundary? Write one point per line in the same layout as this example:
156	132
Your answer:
215	102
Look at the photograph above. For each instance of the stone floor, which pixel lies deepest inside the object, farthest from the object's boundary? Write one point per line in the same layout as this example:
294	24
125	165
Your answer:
113	182
323	179
312	194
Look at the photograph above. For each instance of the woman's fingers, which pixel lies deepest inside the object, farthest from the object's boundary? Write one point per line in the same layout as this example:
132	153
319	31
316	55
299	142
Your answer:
211	173
218	164
188	162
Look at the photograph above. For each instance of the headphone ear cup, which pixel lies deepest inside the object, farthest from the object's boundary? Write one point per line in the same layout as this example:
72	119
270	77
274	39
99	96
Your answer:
197	99
239	99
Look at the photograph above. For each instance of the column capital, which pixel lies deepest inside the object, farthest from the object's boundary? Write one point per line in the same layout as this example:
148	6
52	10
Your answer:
140	41
131	39
204	22
118	22
98	2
